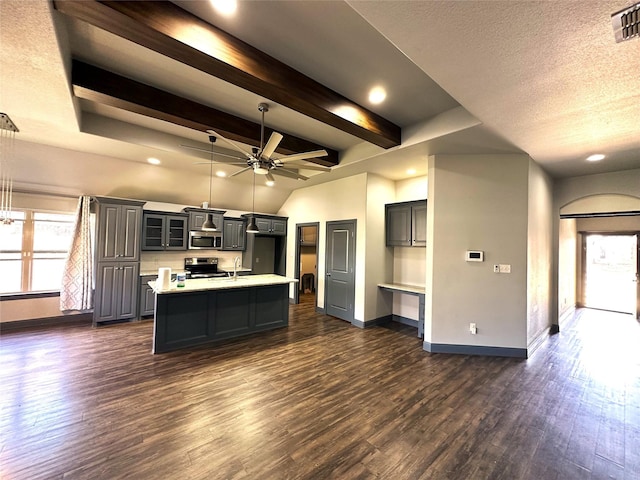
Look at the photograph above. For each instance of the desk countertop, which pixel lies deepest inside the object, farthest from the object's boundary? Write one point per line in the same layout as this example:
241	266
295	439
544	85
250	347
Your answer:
400	287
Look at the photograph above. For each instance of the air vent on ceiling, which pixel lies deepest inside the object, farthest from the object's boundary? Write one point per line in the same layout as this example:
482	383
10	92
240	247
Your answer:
626	23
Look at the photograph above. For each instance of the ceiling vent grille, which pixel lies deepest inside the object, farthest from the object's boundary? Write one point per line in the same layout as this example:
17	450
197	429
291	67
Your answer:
626	23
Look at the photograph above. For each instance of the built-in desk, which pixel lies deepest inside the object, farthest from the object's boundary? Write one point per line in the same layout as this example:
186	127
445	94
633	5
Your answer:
409	290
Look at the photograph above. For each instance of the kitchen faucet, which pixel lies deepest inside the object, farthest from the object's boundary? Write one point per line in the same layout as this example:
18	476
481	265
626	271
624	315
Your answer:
236	263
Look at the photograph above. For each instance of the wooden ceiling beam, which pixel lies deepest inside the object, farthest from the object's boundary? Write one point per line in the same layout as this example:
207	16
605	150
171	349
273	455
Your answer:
171	31
107	88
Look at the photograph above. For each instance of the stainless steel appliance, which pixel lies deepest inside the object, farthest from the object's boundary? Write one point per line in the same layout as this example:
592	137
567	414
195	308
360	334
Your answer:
203	267
205	239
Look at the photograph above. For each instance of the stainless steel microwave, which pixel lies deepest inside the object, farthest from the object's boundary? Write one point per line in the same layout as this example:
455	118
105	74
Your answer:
205	239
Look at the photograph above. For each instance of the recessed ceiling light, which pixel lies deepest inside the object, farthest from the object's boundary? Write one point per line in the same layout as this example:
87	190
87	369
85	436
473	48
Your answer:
596	157
377	95
411	171
225	7
270	183
153	161
220	173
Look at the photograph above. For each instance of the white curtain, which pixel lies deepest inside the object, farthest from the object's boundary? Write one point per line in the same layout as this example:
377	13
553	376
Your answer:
76	292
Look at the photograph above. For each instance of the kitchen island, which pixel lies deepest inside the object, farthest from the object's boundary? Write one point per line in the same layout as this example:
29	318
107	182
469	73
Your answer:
212	309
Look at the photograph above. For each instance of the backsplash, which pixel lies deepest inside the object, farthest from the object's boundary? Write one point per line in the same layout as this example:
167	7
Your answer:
151	261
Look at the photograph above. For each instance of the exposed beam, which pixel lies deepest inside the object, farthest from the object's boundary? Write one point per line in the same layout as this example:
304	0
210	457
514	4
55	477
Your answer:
107	88
176	33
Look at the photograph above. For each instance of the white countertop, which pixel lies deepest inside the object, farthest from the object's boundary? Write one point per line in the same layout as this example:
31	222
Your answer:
401	287
199	284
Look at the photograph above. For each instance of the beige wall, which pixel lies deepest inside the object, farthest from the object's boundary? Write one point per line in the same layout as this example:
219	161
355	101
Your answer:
27	309
567	266
339	200
361	197
379	258
477	202
609	224
539	248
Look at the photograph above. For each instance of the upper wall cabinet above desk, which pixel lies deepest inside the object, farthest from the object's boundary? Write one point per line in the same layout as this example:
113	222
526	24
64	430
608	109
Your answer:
406	224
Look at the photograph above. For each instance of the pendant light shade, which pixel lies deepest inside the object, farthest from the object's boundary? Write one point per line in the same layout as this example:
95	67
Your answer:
208	224
252	227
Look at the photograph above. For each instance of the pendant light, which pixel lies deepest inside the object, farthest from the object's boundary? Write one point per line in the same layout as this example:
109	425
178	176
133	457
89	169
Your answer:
8	130
252	227
208	224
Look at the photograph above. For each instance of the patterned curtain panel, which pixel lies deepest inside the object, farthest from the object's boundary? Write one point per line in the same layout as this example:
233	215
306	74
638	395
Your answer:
77	279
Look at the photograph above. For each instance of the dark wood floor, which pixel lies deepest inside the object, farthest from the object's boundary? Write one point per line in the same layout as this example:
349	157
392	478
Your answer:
320	399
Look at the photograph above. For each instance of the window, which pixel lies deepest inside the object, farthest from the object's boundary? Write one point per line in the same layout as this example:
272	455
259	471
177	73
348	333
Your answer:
33	250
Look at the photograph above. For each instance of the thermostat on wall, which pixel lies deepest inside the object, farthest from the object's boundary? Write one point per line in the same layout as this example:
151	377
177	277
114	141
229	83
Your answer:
475	256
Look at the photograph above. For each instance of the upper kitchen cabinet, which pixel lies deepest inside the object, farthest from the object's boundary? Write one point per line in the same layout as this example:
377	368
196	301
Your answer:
406	224
118	229
197	216
233	234
270	225
164	231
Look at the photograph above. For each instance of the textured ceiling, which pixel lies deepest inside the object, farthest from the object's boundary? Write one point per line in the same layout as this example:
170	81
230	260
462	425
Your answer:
548	76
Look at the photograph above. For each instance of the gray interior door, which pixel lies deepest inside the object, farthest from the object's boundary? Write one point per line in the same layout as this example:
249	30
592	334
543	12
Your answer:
340	269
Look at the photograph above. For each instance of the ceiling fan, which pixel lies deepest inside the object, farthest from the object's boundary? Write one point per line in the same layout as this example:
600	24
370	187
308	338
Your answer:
260	159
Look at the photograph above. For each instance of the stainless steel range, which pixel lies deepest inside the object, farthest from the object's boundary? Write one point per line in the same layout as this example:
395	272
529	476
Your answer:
202	267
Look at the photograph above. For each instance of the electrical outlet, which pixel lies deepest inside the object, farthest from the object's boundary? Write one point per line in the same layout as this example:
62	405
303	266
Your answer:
472	328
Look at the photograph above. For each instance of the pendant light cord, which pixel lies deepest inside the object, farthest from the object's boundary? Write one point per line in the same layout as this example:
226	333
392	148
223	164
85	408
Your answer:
253	202
210	174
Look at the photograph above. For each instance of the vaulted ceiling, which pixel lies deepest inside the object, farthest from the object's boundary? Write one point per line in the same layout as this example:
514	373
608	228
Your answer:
98	87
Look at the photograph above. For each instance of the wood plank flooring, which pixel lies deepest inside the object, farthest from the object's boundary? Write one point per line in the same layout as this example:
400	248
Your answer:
320	399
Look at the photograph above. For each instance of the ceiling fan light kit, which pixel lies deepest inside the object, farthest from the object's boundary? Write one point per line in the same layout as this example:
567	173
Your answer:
260	160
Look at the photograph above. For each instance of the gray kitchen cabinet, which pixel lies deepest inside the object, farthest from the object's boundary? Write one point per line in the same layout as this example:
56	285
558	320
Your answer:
194	318
197	216
164	231
234	234
117	258
147	296
406	224
118	229
116	295
270	225
419	224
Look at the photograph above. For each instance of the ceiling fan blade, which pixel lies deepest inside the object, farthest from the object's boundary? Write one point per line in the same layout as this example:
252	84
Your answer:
223	162
239	172
285	172
302	156
302	166
209	151
232	143
272	144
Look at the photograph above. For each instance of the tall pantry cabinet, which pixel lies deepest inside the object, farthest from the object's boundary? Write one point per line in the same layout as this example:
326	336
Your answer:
117	264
